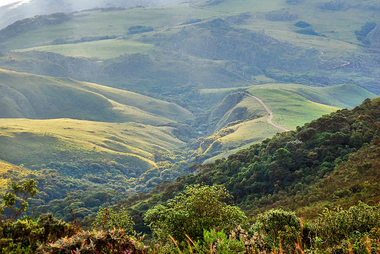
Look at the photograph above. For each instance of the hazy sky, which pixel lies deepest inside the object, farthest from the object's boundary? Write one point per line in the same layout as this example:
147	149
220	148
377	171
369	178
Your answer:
5	2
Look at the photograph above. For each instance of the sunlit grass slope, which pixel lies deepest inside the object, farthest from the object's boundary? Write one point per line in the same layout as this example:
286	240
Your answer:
39	97
36	142
343	96
292	105
290	109
103	49
44	119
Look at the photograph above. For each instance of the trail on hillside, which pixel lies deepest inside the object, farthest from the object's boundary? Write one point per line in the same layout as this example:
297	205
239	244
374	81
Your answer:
270	118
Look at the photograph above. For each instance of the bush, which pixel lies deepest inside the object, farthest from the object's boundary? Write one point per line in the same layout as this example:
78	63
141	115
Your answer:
26	234
279	225
139	29
85	242
308	31
354	223
302	24
197	209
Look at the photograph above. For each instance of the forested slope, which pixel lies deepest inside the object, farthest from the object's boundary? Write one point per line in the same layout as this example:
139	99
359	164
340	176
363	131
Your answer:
306	170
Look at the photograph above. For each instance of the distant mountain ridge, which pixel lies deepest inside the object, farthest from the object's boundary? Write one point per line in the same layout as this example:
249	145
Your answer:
10	13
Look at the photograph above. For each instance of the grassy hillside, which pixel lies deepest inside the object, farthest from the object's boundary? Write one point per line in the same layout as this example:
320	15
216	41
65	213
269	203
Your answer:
31	96
104	49
292	105
343	96
35	142
64	124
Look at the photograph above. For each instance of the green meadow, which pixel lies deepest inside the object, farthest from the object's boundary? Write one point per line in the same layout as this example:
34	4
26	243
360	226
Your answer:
103	49
292	105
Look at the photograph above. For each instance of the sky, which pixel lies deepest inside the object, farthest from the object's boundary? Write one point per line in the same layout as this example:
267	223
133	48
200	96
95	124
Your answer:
5	2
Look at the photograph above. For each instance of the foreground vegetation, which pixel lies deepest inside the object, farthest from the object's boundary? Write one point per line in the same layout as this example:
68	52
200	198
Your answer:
202	219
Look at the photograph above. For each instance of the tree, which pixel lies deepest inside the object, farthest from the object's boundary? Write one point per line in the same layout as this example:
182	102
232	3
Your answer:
19	195
197	209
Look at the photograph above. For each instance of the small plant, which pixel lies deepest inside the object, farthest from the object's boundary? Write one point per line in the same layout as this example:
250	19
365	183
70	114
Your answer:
114	241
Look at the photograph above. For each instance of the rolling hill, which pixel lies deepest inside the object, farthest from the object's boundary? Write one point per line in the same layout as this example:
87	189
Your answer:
292	105
39	97
46	119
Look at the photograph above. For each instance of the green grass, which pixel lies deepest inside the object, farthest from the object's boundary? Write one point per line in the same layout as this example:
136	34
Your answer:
343	23
106	122
252	106
338	27
36	142
34	96
104	49
343	96
98	23
290	109
292	105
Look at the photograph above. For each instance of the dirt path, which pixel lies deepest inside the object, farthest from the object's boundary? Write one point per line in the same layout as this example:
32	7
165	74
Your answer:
270	118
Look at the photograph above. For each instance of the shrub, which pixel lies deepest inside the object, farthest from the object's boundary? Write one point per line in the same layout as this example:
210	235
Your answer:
26	234
279	225
356	222
308	31
139	29
197	209
85	242
302	24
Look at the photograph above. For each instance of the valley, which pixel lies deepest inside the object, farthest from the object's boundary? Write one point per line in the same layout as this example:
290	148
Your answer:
128	105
